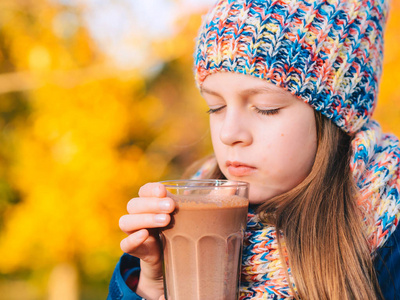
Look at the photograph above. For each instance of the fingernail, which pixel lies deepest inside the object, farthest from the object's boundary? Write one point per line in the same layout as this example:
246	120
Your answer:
160	218
165	205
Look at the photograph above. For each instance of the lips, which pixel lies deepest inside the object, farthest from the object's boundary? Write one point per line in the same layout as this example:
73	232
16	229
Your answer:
239	169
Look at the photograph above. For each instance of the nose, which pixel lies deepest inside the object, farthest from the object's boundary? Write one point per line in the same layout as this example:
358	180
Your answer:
236	129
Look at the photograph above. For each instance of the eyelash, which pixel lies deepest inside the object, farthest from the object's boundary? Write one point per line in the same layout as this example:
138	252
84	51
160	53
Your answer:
214	110
266	112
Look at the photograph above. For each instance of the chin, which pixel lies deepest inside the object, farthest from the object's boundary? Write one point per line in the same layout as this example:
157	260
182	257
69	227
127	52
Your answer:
256	201
255	198
258	195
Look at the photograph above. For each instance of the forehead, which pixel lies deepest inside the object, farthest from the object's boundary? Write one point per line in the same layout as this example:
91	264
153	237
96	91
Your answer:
231	82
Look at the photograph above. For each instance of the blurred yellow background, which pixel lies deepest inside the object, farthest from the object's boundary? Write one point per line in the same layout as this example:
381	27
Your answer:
96	99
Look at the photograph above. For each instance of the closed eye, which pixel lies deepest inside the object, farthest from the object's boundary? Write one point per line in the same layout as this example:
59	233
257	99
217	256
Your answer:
267	112
214	110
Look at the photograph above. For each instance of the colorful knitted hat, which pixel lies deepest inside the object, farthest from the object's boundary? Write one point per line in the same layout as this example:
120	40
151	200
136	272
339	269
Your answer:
326	52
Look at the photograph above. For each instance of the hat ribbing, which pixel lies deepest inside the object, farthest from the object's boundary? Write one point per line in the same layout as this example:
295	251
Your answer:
328	53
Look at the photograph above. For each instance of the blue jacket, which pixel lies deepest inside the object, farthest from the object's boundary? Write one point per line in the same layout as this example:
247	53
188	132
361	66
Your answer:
387	266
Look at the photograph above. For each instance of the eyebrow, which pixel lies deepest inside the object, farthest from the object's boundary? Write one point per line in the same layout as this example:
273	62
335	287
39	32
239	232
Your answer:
249	92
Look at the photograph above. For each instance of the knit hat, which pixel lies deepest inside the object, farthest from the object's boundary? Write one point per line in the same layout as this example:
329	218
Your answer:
326	52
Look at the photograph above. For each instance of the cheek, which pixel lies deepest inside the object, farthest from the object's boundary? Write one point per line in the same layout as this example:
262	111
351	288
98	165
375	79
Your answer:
218	146
298	147
297	150
214	131
289	151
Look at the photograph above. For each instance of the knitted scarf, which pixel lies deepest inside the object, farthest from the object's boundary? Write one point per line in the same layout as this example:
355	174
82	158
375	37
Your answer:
376	169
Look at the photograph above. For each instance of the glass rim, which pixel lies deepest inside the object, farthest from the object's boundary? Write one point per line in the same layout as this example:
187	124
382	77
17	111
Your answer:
212	183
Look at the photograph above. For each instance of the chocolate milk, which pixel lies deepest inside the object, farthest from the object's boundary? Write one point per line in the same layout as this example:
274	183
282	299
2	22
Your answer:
202	247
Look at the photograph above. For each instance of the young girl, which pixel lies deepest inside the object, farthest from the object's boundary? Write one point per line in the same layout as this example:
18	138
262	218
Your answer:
291	86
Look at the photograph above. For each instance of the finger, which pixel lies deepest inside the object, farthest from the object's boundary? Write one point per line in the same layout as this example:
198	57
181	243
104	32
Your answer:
131	223
150	205
162	298
153	189
134	240
144	246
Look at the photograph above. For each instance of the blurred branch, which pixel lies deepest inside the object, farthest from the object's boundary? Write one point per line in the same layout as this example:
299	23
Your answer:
14	82
22	81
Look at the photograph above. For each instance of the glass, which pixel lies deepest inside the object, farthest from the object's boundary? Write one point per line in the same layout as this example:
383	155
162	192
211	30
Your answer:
202	246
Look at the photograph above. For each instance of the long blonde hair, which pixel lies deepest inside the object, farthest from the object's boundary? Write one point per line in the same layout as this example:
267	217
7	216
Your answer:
328	253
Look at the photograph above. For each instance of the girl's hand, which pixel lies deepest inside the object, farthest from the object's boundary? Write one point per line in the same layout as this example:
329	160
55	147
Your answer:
146	213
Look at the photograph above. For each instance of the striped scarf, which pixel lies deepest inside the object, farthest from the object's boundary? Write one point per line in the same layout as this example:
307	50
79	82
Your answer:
376	170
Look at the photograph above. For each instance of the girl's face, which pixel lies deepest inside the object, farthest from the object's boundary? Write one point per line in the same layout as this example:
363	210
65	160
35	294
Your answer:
261	133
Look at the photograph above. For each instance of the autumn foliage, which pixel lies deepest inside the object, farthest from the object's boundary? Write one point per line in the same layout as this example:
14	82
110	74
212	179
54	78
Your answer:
79	135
